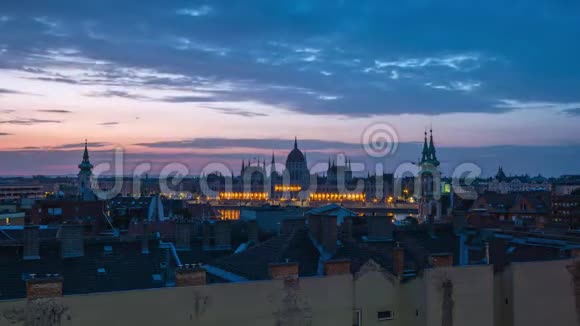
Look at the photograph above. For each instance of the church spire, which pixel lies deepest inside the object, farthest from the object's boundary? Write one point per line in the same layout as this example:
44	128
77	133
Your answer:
425	152
86	153
295	142
432	151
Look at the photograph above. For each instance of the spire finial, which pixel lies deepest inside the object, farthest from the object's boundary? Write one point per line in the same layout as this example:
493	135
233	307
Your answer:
295	142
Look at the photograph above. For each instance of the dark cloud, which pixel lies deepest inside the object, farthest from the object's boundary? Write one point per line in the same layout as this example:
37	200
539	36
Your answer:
318	57
110	123
118	93
80	145
5	134
55	111
187	99
574	112
514	159
28	122
239	112
9	91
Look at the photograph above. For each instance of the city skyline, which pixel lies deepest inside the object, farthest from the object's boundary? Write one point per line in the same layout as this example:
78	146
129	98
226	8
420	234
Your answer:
177	83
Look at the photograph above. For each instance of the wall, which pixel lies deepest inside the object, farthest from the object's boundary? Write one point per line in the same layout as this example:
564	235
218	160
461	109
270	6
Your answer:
543	293
310	301
457	296
538	293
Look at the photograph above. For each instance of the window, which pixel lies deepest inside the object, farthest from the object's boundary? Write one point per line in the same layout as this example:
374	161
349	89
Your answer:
385	315
56	211
357	318
101	271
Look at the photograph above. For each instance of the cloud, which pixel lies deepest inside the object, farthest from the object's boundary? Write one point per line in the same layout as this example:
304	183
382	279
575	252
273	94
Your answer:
238	112
28	122
266	143
537	105
110	123
195	12
5	134
465	86
55	111
9	91
80	145
119	93
574	112
187	99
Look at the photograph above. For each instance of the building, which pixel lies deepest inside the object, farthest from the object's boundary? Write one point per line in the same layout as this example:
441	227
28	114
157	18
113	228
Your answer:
301	277
526	208
20	190
566	209
430	181
297	168
84	177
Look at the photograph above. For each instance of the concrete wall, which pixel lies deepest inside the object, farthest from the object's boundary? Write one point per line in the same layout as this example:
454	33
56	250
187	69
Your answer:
457	296
537	294
543	293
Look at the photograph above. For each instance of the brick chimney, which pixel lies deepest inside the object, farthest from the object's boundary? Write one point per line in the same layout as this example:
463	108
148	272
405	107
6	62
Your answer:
43	286
329	234
441	260
284	271
222	235
379	228
315	227
183	232
337	267
253	231
145	238
31	243
72	240
190	275
398	260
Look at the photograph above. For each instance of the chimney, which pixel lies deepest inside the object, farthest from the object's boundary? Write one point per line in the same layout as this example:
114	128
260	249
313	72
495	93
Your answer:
222	235
45	286
329	234
183	235
315	227
337	267
346	229
379	228
71	241
441	260
253	231
292	224
284	271
145	239
399	260
31	243
206	234
190	275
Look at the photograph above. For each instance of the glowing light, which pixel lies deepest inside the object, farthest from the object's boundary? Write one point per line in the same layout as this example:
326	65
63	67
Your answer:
242	196
287	188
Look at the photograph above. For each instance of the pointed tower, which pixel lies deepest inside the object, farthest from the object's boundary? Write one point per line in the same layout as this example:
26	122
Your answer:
425	152
84	177
295	142
432	154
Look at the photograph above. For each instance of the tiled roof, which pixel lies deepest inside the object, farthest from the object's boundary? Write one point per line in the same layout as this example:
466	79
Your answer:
125	267
253	262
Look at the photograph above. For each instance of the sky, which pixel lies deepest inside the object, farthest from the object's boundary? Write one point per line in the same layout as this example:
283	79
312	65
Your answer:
197	82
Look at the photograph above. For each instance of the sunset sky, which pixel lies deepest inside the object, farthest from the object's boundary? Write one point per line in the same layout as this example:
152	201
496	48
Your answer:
221	81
